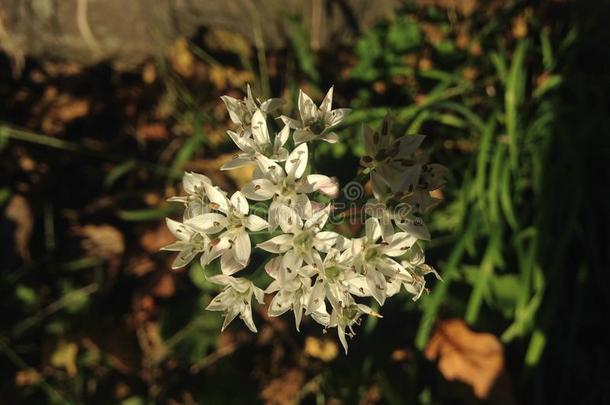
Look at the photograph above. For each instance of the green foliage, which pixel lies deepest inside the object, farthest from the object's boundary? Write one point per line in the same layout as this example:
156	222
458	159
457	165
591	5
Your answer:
381	51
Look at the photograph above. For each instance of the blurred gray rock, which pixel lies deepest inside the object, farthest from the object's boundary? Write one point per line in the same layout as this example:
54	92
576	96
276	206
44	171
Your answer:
125	32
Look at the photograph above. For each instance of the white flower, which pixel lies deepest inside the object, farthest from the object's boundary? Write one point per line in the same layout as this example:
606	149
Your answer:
391	159
292	285
390	209
235	299
417	268
303	239
190	243
241	111
315	272
316	123
346	317
257	142
230	225
286	186
374	259
195	201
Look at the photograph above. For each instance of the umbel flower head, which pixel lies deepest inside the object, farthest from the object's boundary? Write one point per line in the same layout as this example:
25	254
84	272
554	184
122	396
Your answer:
312	270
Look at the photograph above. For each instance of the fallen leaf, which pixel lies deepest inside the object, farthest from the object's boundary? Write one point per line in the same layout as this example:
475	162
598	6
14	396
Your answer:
155	131
154	239
323	349
18	211
64	356
164	286
102	241
181	58
473	358
27	377
283	390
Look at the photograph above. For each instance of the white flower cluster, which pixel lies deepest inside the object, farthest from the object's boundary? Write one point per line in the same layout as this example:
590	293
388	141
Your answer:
315	271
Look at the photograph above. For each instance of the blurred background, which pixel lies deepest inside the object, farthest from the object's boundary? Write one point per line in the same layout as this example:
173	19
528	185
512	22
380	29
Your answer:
104	104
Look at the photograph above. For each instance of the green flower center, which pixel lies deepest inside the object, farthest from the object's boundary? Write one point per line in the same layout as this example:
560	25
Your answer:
303	241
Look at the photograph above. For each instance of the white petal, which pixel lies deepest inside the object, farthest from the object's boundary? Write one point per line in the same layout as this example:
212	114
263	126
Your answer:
289	220
336	116
255	223
318	218
218	201
273	287
219	248
259	190
272	267
326	104
237	163
324	184
270	169
209	223
271	105
373	229
302	206
359	287
341	333
278	244
330	137
242	141
240	203
281	138
250	100
326	240
184	257
292	262
377	285
234	107
302	135
259	128
297	308
281	302
433	176
231	314
221	302
316	297
414	226
291	122
274	214
407	145
177	229
229	264
192	181
242	248
398	244
297	161
307	108
259	294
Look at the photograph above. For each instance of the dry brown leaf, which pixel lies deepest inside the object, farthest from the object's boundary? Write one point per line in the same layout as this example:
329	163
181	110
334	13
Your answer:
64	356
155	131
219	39
470	357
18	211
165	286
181	58
140	266
323	349
27	377
102	241
154	239
284	389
